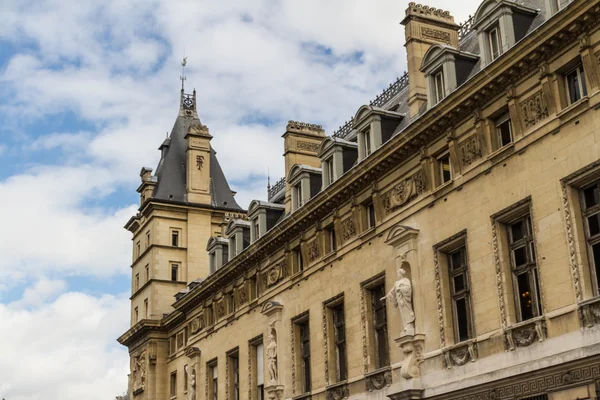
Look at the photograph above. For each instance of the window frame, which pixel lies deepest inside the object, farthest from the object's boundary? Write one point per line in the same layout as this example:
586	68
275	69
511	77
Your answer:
498	123
175	269
463	294
305	354
439	86
379	328
233	359
175	238
331	238
370	214
591	240
490	35
212	376
173	385
330	176
340	341
367	146
579	72
441	170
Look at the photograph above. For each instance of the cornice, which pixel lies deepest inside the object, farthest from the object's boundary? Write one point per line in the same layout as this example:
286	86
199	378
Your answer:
523	58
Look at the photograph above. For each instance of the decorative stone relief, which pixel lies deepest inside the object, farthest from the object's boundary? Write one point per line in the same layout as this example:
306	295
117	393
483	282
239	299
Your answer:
191	374
525	333
412	348
276	273
590	312
303	126
401	298
571	243
325	345
534	109
242	294
499	284
438	296
138	373
197	324
363	328
313	251
348	228
338	392
435	34
378	380
470	150
293	358
199	162
404	191
220	309
460	354
308	146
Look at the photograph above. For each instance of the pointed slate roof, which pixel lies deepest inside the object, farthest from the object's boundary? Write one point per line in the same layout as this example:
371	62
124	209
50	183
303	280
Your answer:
171	170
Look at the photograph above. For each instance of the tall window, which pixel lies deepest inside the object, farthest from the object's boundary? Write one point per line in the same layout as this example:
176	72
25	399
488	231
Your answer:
298	261
370	214
213	382
230	303
575	84
212	262
173	384
495	42
145	308
136	314
147	273
380	326
330	238
329	165
504	134
440	91
259	368
591	214
256	229
175	238
305	355
459	288
137	281
523	263
339	328
174	272
366	142
445	171
297	192
234	378
147	239
138	249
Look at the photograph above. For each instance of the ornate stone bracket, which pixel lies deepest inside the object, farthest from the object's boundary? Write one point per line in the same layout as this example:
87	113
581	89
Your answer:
590	312
412	348
378	379
338	391
460	354
525	333
274	392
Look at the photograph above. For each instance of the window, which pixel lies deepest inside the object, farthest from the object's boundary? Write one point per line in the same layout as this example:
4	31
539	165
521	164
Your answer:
298	261
210	315
329	165
230	303
524	268
439	86
503	130
366	136
138	249
145	308
370	214
147	273
212	262
147	239
495	43
174	271
172	345
305	355
137	315
253	283
339	328
330	238
259	366
213	382
173	384
234	378
137	282
445	171
256	229
575	84
459	291
298	194
380	326
591	214
175	238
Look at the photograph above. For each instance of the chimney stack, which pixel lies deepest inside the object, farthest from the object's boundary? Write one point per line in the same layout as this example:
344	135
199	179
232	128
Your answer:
424	27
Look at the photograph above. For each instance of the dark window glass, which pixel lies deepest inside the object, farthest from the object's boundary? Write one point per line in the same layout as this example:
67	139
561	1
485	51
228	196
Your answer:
520	256
459	282
370	209
175	238
594	224
462	319
591	213
340	342
445	171
380	326
592	196
174	272
457	261
305	350
517	231
236	378
525	296
332	239
575	82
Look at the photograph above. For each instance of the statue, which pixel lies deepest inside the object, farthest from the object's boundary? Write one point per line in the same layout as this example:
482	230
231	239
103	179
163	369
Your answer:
272	355
191	373
401	297
139	373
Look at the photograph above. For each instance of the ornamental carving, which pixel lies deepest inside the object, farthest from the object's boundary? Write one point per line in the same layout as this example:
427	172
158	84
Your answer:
571	243
276	273
534	109
325	345
220	309
313	251
498	269
180	340
338	392
524	334
460	354
197	324
363	330
404	191
303	126
199	162
438	296
590	313
378	380
138	373
308	146
435	34
348	228
242	295
470	150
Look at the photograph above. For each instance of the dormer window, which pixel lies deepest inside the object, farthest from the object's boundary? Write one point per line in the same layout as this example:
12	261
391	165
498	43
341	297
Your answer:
218	253
262	216
238	232
297	193
337	156
495	43
439	85
305	182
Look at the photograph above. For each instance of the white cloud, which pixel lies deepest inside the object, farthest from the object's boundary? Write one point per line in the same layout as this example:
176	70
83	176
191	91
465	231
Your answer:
42	291
64	350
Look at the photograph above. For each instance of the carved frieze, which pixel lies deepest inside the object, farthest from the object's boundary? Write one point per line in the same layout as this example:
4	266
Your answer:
404	191
348	228
378	380
470	150
220	309
276	273
525	333
308	146
242	295
435	34
571	243
460	354
590	312
534	109
138	373
313	251
197	324
338	392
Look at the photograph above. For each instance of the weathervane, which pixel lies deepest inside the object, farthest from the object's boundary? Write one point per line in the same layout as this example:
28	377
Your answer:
183	64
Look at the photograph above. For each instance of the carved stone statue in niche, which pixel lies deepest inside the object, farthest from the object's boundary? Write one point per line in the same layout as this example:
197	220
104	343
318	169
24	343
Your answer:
191	373
272	354
401	297
139	373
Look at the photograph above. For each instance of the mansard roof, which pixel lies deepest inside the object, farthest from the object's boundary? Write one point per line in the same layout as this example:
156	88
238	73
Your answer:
171	170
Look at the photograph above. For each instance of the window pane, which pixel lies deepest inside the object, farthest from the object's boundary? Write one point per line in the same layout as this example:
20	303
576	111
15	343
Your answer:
520	256
592	196
445	172
462	319
517	231
525	300
594	224
456	260
382	353
459	283
573	86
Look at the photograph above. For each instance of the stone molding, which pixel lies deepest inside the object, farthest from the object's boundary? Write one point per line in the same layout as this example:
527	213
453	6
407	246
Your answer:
412	348
378	379
338	391
460	354
525	333
589	312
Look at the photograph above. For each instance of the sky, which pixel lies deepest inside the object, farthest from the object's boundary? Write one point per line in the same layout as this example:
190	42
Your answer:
88	91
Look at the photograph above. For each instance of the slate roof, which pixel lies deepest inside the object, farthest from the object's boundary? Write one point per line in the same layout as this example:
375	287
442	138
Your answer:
171	170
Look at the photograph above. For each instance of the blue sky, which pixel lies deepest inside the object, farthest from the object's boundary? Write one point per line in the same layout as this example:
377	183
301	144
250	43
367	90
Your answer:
88	91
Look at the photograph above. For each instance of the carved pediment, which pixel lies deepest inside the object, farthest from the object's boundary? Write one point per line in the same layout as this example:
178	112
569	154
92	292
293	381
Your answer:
192	352
400	233
270	307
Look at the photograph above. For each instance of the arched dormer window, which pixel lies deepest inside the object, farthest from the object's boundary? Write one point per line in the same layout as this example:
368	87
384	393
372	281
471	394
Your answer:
238	232
445	69
263	216
305	182
500	24
337	156
375	126
218	253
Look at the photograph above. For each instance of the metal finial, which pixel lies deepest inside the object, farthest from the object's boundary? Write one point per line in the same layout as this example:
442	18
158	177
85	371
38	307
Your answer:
183	64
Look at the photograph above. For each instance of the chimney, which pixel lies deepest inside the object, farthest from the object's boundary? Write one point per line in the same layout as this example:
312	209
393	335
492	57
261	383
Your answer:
424	27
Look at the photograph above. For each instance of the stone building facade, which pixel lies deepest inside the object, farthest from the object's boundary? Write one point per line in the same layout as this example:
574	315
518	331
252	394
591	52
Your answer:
442	244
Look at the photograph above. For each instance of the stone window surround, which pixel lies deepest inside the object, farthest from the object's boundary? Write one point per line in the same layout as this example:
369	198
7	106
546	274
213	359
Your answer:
368	339
300	176
329	344
367	123
216	251
258	211
333	151
297	384
235	233
212	373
